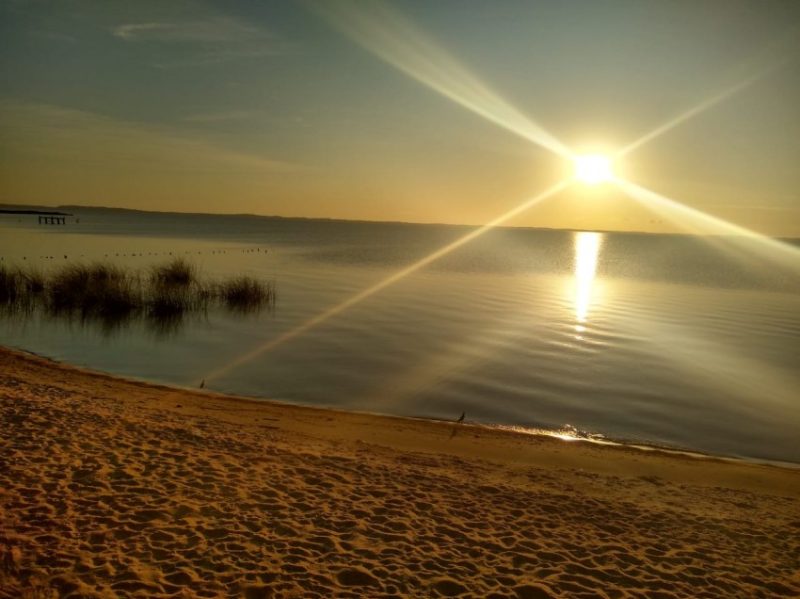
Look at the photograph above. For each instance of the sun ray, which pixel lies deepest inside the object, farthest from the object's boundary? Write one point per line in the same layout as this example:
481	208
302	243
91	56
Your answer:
723	232
692	112
775	56
390	280
383	31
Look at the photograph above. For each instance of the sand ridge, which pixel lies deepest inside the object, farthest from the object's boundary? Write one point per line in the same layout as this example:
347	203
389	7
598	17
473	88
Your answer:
115	488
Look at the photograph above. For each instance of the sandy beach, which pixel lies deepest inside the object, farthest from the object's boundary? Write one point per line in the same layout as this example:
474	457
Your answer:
115	488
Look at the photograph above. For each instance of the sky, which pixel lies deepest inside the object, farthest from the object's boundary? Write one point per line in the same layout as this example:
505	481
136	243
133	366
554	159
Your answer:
451	111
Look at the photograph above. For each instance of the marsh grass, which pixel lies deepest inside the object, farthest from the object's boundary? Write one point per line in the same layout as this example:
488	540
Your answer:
114	296
174	274
9	285
245	294
19	289
100	290
32	281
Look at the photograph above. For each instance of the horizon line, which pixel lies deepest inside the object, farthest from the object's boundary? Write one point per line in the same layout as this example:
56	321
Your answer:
367	221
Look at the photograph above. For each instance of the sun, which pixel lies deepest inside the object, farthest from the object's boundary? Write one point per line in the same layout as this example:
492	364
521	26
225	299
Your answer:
593	169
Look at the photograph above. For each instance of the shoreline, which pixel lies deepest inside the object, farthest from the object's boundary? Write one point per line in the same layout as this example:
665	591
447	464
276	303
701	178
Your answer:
113	487
644	446
541	433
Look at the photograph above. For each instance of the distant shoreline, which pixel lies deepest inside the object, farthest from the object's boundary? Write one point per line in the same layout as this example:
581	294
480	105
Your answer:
35	212
34	208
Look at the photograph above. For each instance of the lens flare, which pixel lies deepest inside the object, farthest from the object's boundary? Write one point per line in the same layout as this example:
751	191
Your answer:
704	105
381	30
717	230
390	280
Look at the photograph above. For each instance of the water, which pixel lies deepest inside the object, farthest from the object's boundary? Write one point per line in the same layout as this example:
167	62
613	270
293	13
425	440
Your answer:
661	339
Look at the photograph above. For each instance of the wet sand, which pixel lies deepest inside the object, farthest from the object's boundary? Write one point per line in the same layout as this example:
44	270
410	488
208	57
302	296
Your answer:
115	488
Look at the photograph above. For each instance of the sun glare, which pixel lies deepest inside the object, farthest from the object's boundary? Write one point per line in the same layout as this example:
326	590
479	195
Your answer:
593	169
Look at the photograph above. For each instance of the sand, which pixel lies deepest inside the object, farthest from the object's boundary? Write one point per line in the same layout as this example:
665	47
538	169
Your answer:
116	488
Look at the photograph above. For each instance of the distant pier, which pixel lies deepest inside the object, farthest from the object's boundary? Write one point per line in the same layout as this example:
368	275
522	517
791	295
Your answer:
46	217
52	220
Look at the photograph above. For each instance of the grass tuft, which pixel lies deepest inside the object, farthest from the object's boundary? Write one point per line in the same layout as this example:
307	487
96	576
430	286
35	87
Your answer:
176	273
245	293
9	285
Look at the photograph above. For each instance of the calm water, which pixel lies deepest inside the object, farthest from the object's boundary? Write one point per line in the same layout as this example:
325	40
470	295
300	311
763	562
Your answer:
664	339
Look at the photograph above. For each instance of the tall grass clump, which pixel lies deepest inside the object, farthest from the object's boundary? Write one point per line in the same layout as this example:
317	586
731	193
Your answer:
19	289
176	273
245	294
32	280
175	289
9	285
98	289
167	300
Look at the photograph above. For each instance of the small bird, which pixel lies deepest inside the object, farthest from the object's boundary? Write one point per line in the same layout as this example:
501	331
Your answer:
202	383
459	421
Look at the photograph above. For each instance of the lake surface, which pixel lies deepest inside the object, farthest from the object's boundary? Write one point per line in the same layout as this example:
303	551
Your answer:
666	339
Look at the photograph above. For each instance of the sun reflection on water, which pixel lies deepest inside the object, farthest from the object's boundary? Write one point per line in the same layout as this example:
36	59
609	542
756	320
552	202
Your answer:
587	249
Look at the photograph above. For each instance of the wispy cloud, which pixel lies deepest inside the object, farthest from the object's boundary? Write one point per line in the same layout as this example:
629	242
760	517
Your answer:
215	117
210	30
208	41
75	136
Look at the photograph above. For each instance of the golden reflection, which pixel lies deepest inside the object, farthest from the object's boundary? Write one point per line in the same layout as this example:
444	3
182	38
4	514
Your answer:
587	249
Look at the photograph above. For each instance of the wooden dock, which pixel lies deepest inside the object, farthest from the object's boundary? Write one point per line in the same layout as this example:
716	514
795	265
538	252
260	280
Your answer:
46	217
52	220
